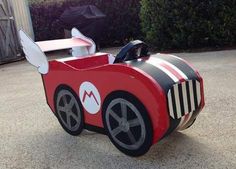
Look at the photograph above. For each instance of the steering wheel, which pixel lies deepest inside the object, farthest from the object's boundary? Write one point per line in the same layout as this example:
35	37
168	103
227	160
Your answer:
133	50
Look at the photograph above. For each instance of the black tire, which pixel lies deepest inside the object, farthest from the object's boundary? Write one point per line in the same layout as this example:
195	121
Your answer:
127	123
69	110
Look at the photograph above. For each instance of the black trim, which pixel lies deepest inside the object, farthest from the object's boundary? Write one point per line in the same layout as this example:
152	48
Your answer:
181	99
95	129
195	94
161	77
173	102
188	96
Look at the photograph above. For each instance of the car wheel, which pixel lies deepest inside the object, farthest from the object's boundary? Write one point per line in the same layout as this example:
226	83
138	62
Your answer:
127	124
69	111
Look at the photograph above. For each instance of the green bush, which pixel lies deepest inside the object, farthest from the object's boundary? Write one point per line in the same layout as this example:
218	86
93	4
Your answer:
180	24
122	24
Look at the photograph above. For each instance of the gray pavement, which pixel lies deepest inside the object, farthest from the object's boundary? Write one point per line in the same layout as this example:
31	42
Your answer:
31	137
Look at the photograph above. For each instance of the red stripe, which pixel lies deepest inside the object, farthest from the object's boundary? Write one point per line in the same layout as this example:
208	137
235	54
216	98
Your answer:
185	119
184	122
175	73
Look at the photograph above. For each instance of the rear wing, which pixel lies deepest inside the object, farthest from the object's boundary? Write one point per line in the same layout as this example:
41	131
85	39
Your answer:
52	45
34	51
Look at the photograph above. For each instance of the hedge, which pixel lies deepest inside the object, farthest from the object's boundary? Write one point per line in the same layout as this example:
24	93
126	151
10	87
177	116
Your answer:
123	22
180	24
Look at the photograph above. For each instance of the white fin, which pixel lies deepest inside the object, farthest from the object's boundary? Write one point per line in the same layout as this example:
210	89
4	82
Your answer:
33	53
80	51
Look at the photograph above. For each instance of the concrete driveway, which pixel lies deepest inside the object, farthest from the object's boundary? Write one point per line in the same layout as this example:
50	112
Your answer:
31	137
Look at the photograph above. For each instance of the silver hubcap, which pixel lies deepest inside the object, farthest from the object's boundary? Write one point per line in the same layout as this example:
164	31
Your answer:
125	124
68	110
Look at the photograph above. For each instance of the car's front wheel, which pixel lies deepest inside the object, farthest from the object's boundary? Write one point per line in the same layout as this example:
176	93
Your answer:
127	124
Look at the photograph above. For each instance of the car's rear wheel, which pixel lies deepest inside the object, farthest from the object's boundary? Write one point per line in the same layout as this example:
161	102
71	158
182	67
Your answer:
127	124
69	111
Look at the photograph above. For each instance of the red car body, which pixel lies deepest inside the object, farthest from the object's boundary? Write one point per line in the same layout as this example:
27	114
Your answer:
116	77
136	98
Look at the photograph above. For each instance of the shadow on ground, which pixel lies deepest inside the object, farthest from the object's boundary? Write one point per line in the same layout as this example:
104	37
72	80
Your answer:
91	150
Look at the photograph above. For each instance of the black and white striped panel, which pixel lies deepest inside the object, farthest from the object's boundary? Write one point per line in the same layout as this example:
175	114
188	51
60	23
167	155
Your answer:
184	98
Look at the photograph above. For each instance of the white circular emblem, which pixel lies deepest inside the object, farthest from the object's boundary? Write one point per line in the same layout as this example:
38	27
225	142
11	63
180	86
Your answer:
90	97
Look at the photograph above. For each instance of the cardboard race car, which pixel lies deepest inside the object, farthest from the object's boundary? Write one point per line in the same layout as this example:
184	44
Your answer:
135	98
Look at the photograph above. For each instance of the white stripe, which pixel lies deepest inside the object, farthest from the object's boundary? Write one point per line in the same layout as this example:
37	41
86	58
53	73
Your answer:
180	123
178	110
198	92
191	94
171	65
189	117
184	90
157	63
170	105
